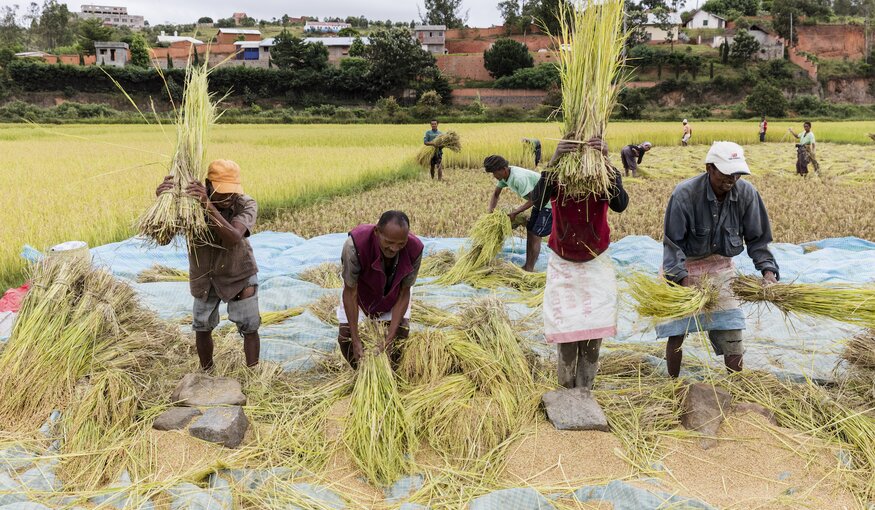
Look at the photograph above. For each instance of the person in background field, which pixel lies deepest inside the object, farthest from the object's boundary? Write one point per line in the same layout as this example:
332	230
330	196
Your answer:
580	298
536	148
437	161
524	183
225	269
380	265
688	133
764	126
805	150
632	156
709	219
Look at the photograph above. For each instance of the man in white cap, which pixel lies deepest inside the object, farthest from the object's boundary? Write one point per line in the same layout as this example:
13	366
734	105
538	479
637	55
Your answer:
709	219
632	155
688	133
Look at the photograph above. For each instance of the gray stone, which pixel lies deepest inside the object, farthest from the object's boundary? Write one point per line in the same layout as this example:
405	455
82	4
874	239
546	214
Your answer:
574	409
197	390
225	425
175	418
704	408
748	407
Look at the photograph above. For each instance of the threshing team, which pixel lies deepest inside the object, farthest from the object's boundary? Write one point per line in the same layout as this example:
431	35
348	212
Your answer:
709	219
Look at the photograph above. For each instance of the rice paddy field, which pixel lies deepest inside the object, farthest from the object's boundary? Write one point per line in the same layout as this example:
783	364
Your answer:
91	182
326	439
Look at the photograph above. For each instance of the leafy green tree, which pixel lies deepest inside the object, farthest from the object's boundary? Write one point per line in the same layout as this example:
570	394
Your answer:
544	12
443	12
11	33
783	10
348	32
91	30
726	8
291	52
767	100
54	26
744	48
140	51
204	19
429	104
505	57
510	13
357	48
396	60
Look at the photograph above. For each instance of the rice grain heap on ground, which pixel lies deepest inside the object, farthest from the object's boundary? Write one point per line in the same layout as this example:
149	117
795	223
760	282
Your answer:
175	212
590	58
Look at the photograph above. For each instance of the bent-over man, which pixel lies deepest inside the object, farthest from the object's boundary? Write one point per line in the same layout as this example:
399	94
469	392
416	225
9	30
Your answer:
524	183
223	269
380	265
632	155
580	298
709	219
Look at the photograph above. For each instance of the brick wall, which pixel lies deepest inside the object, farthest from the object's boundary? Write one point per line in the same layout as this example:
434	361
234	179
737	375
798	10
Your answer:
473	45
499	97
470	66
832	41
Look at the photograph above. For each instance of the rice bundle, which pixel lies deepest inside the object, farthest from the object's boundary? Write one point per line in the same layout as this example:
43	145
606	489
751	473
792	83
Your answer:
487	240
437	263
325	308
433	316
501	273
849	303
532	299
860	351
175	212
378	431
449	140
663	300
590	60
279	316
159	273
325	275
425	357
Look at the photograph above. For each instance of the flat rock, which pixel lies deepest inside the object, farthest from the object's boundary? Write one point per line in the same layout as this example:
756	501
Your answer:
224	425
175	418
748	407
574	409
201	390
704	409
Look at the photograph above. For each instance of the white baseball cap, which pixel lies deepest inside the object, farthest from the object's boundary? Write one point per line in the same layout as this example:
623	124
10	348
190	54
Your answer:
685	121
728	157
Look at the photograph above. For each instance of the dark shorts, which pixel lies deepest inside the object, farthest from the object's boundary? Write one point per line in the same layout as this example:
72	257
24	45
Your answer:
438	157
540	222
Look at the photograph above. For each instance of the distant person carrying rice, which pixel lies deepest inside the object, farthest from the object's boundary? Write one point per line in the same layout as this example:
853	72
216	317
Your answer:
437	161
708	221
525	184
380	265
580	298
535	145
632	156
805	150
224	270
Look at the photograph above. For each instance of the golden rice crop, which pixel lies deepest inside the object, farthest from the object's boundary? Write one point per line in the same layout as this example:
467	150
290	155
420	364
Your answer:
662	299
590	58
449	140
325	275
487	239
378	431
844	302
175	212
159	273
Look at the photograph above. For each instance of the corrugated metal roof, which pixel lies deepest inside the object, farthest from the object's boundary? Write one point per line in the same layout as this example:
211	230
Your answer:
239	31
170	39
327	41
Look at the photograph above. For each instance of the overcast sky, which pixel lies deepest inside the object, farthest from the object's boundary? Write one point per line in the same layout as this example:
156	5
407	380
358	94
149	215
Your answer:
483	13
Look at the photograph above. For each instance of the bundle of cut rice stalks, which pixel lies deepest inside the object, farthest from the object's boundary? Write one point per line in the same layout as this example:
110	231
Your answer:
175	212
449	140
159	273
501	273
325	308
433	316
81	326
844	302
664	300
378	432
325	275
591	69
860	351
487	240
437	263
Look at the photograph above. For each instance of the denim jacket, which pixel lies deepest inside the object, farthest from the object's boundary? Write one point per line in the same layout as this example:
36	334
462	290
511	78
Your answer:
696	227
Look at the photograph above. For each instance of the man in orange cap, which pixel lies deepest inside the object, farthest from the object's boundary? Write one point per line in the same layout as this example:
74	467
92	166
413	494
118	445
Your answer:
223	269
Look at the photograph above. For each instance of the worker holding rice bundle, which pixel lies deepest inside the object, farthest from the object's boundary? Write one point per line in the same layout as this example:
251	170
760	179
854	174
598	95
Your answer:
632	155
223	269
437	160
380	265
709	219
580	298
805	150
525	184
